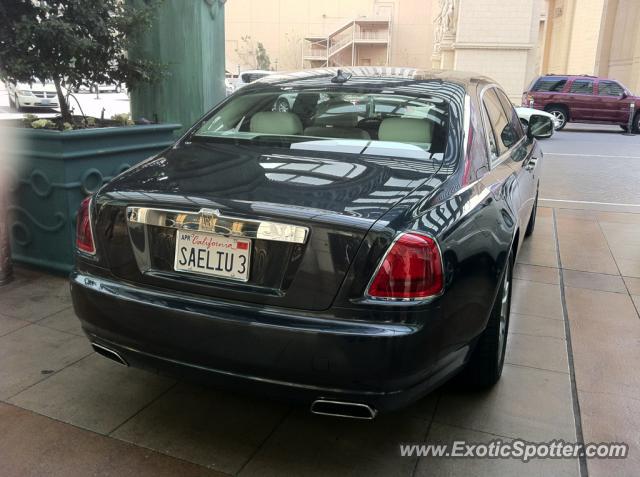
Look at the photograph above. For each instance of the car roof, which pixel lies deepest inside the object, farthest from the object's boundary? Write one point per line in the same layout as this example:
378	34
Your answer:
552	75
374	74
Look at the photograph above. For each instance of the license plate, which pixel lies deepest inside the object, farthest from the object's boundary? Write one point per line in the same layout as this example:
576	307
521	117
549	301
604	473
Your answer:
212	254
45	101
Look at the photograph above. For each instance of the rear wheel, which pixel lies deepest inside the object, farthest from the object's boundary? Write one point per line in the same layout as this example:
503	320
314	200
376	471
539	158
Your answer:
636	123
561	115
532	219
487	360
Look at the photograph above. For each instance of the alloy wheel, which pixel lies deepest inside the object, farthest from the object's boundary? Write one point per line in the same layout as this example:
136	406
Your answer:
560	116
504	313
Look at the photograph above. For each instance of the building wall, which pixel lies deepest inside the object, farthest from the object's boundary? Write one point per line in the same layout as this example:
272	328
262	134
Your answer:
598	37
491	37
281	25
624	54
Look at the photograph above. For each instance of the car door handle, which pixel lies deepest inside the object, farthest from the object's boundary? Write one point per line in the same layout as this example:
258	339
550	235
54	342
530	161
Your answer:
531	164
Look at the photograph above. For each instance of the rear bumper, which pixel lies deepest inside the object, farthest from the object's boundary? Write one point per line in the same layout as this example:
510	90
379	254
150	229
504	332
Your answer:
282	353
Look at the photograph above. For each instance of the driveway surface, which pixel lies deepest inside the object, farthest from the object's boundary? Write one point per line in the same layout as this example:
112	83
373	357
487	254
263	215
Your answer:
571	369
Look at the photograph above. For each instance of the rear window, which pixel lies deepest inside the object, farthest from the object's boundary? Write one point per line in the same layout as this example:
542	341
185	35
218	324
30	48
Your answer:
380	123
549	84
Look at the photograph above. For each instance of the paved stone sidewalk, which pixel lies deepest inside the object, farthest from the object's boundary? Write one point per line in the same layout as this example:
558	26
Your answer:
66	411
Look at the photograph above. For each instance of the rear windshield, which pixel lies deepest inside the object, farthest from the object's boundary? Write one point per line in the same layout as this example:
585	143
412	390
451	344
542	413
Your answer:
380	123
550	83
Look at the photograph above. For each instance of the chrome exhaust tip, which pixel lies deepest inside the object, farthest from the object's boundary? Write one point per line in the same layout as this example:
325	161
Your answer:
352	410
109	353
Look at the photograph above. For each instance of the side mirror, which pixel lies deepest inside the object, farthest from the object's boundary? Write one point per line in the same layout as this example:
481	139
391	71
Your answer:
540	127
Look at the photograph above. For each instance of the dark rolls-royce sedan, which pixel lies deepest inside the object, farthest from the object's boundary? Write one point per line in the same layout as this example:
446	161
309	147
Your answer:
351	253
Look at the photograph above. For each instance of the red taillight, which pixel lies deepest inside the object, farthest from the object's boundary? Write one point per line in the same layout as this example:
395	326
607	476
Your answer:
84	233
412	268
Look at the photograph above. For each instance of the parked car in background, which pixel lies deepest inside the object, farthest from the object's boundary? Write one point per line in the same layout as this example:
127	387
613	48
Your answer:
249	76
346	255
40	95
583	99
525	115
102	88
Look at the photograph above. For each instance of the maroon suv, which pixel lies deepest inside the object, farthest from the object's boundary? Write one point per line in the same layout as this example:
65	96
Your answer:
583	99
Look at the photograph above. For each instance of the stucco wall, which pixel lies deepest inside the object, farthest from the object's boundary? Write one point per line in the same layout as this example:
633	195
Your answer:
280	25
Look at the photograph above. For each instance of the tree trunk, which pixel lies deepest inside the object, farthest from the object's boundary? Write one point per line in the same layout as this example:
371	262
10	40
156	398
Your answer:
6	269
62	101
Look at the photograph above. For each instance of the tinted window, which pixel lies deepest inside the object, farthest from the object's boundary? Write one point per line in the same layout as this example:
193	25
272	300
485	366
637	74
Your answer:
550	83
311	116
514	121
609	88
582	86
503	136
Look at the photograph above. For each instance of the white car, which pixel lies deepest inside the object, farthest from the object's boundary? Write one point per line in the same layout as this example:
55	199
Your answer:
250	76
525	113
34	95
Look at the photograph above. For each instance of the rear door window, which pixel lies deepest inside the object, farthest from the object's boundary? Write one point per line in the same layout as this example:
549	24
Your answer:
515	130
609	88
499	133
553	84
582	86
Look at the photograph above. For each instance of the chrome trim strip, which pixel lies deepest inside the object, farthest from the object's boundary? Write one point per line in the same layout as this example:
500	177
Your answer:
211	221
345	404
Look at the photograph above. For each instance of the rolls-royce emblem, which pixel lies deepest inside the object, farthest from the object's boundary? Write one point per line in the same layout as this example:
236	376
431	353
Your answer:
210	212
208	218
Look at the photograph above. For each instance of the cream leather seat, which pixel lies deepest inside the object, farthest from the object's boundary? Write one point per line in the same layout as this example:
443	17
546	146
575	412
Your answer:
275	122
406	130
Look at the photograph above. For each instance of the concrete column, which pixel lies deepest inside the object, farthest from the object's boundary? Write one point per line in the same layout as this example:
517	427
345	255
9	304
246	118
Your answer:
187	36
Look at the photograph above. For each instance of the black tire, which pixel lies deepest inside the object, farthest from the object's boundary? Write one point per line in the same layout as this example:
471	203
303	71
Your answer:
532	220
636	123
487	359
561	113
282	105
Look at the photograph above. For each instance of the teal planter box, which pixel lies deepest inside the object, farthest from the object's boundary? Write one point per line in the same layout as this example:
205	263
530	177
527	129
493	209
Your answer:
56	170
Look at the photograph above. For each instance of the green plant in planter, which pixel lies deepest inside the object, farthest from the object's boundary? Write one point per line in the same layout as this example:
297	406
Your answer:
43	124
74	42
122	119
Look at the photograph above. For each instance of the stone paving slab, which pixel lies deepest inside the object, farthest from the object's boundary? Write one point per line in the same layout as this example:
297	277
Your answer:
97	410
35	446
93	393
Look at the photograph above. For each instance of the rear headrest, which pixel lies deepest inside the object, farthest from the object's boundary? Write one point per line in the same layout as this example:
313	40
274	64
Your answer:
405	130
275	122
336	113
